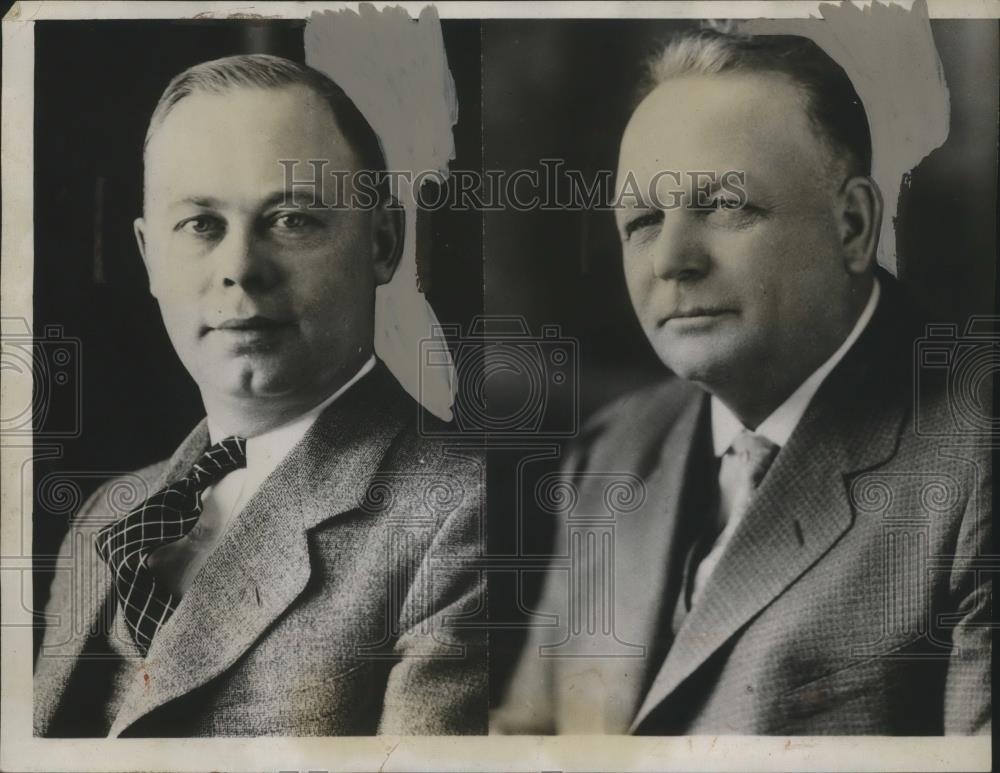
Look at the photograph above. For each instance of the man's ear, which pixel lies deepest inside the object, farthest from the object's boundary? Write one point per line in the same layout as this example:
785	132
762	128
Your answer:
387	240
139	228
860	220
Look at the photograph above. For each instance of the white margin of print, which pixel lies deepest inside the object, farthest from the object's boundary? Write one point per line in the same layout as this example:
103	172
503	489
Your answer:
19	750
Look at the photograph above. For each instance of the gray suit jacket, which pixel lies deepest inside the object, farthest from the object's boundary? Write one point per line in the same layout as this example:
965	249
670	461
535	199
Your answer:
852	599
340	601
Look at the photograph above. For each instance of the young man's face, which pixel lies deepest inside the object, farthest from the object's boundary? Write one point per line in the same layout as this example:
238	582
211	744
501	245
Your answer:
261	299
730	294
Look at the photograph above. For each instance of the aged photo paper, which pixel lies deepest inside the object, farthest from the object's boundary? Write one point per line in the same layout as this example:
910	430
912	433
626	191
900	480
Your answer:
523	386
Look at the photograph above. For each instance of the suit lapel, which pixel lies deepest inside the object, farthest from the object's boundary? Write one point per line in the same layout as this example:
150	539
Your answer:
55	670
644	539
800	511
262	564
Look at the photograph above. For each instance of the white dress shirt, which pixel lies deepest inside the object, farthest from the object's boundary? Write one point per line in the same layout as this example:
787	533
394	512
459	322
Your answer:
777	428
177	564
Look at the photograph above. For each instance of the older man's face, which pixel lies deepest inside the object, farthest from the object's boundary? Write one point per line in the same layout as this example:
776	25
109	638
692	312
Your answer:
260	299
728	294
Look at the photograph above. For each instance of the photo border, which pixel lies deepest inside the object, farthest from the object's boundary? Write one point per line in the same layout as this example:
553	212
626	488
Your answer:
19	750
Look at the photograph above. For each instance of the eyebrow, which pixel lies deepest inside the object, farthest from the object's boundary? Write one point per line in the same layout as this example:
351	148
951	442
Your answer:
207	202
297	196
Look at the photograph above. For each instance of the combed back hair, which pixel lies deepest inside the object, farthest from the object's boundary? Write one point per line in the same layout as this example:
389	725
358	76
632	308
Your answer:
832	104
265	71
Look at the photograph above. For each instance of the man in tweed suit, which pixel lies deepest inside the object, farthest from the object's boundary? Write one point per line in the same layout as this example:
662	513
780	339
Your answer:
324	586
802	547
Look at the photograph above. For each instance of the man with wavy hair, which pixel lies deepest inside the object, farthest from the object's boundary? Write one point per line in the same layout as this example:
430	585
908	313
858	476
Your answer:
804	558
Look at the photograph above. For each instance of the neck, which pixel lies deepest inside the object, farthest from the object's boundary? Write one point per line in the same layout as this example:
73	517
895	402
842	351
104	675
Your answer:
753	400
252	415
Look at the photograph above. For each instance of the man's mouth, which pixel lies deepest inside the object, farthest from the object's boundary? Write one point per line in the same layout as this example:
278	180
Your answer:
696	314
247	325
250	323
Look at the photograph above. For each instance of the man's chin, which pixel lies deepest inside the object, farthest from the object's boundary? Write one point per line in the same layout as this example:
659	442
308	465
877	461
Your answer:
704	362
254	379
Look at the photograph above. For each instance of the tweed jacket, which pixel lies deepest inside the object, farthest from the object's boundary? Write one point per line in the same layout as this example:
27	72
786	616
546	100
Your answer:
339	602
853	597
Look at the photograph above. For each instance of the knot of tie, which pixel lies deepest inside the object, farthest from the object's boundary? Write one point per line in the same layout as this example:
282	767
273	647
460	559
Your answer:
165	517
755	453
218	461
743	468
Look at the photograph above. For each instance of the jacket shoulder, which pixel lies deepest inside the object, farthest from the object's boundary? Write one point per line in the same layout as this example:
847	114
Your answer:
431	470
631	429
118	495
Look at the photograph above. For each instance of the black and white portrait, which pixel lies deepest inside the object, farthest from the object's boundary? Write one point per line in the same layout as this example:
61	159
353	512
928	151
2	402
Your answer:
288	566
500	386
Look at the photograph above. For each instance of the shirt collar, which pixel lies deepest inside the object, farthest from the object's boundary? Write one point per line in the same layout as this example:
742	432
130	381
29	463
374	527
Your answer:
265	451
779	425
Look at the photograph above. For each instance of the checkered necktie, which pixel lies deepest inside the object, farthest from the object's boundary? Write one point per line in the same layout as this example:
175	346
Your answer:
165	517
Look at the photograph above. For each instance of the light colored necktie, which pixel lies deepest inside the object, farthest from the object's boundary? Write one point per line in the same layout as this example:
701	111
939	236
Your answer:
743	468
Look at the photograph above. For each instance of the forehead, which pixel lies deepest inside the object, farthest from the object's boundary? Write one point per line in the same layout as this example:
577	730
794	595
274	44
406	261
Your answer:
750	122
230	144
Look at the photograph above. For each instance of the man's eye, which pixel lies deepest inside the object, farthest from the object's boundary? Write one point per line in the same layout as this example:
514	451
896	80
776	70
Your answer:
643	221
726	202
293	221
201	225
732	212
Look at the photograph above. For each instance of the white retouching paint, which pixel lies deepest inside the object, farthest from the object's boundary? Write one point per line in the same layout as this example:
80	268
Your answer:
395	70
889	54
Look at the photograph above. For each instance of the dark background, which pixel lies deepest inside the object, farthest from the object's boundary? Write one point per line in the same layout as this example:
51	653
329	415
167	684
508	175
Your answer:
564	89
96	84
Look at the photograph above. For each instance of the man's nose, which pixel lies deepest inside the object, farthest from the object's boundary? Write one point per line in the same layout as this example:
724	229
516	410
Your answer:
243	259
679	252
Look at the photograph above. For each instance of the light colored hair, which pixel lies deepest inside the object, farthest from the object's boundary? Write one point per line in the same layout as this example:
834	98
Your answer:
831	102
